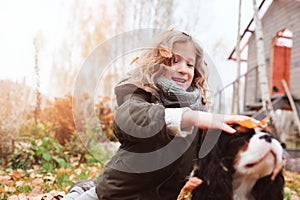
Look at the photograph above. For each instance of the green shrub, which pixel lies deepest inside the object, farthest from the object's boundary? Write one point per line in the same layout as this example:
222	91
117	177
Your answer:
46	152
37	145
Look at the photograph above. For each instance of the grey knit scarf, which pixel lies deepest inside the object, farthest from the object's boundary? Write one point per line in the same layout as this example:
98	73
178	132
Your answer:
173	95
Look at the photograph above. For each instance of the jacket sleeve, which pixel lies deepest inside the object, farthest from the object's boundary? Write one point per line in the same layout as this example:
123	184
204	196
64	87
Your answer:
139	120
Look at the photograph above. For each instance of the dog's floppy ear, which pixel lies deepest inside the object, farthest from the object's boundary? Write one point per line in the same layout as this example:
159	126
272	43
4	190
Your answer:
216	174
266	188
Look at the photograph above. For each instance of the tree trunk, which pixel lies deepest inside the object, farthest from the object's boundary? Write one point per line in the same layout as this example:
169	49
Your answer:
236	104
37	108
262	75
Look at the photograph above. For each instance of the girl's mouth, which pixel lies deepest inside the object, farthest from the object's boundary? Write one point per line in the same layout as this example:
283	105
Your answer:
179	80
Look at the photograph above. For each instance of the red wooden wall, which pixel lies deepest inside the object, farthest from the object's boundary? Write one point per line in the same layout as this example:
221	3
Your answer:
280	62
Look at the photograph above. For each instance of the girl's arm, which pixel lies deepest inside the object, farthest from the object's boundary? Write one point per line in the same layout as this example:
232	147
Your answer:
204	120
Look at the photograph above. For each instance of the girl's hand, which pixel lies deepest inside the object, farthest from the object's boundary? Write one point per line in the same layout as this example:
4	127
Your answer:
204	120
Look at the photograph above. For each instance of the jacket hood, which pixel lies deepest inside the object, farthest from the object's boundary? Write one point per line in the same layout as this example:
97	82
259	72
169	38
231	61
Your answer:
126	87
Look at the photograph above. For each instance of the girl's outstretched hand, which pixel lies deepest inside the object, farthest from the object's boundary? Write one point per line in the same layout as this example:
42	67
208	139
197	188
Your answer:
204	120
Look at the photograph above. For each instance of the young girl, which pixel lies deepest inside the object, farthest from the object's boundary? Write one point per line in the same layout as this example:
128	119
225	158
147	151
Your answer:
159	122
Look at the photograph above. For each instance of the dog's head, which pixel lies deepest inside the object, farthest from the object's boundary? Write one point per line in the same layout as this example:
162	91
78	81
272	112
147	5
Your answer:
259	156
241	165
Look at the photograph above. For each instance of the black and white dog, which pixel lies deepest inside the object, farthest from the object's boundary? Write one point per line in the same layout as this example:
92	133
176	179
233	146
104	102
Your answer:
242	166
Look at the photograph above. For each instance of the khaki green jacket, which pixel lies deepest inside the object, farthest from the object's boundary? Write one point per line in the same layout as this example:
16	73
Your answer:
150	163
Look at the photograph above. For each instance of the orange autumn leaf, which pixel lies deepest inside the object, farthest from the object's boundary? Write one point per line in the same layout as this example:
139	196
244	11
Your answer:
6	180
17	174
105	99
263	123
109	117
247	124
134	60
165	52
62	171
37	190
85	96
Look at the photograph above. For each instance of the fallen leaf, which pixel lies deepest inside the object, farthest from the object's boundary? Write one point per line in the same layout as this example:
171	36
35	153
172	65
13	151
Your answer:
16	174
165	51
37	190
10	189
109	117
13	197
6	180
19	183
37	181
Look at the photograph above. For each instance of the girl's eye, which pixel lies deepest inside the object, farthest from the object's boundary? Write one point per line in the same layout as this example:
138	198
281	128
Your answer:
175	60
190	65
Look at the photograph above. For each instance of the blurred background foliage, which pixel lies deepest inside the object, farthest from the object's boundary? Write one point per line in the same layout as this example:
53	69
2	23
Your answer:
53	139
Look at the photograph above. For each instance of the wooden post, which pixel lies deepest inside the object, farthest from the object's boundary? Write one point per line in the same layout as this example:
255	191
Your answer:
245	91
292	103
234	88
263	79
256	83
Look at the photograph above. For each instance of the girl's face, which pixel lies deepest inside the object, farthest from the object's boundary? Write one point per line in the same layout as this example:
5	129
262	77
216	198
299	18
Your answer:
182	69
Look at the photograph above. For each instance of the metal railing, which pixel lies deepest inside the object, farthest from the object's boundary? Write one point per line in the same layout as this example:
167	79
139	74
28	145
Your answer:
245	97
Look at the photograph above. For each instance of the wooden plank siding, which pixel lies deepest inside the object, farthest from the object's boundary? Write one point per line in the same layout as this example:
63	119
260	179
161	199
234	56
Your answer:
282	14
295	82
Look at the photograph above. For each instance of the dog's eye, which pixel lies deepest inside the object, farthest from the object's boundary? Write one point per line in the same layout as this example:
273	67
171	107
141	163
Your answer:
250	165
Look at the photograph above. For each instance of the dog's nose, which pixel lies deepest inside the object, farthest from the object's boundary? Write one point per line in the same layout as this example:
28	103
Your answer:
267	137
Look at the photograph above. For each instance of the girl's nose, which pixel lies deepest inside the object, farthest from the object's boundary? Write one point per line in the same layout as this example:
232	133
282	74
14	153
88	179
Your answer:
181	68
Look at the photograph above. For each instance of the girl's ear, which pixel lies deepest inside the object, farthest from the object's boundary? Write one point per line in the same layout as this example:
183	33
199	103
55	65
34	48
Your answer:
165	51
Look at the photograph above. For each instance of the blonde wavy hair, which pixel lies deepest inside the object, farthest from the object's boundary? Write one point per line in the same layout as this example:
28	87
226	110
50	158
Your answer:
151	62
